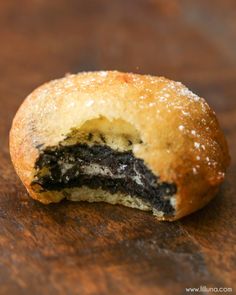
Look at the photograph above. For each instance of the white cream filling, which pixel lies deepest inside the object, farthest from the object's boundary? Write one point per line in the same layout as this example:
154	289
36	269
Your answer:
96	169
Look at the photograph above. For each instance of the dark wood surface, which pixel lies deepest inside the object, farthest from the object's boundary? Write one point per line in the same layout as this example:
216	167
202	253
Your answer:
80	248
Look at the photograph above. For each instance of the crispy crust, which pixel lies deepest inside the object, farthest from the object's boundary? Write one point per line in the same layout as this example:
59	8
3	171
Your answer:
182	140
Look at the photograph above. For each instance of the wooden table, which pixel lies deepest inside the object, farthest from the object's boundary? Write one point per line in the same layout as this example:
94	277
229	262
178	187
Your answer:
80	248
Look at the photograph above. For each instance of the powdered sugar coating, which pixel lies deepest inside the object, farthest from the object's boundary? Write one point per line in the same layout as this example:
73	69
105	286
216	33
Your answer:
89	103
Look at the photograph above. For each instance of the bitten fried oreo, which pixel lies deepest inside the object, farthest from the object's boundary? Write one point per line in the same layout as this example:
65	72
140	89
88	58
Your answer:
141	141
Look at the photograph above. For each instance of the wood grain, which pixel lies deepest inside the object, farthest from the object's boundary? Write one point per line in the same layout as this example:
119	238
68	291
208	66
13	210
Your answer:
80	248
